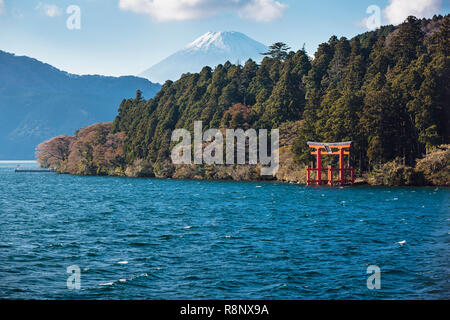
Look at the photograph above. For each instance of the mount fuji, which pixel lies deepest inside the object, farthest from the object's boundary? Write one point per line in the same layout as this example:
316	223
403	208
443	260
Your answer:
210	49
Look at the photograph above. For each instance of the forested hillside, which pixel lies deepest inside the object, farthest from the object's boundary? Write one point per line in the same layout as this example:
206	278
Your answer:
387	90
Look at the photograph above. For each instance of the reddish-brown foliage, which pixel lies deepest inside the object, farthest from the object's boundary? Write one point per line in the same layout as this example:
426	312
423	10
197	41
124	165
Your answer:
237	116
94	150
51	153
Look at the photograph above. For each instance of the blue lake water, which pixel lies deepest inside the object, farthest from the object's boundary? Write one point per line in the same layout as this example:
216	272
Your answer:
170	239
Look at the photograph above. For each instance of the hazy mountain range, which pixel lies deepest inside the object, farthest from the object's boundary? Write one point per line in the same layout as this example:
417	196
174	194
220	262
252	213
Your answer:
38	101
210	49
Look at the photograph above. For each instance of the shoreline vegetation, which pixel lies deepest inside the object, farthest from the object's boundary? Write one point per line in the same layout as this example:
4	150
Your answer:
386	90
95	151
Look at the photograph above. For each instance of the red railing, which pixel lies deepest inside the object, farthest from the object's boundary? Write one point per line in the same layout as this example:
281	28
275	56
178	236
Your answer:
329	176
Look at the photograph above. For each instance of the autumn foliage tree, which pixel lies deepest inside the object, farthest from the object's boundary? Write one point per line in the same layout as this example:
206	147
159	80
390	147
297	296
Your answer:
93	151
54	152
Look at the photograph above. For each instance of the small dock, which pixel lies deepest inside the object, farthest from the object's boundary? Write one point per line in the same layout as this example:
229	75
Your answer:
34	170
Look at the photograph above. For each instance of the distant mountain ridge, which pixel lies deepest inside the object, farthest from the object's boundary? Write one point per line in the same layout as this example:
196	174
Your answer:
210	49
38	101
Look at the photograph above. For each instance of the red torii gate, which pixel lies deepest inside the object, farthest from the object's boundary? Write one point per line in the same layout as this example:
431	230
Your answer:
322	148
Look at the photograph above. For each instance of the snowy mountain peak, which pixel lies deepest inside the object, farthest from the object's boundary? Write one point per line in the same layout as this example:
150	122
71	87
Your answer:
210	49
207	40
225	40
221	40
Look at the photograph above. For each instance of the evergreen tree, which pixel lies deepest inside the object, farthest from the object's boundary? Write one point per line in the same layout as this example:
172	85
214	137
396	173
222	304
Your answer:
278	51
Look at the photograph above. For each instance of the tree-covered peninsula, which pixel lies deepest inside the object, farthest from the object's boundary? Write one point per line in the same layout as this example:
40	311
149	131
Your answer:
386	90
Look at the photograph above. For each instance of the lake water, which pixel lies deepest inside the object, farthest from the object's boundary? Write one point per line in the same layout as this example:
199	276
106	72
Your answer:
169	239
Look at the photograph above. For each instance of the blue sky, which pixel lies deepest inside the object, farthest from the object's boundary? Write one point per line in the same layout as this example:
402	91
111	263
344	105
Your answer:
121	37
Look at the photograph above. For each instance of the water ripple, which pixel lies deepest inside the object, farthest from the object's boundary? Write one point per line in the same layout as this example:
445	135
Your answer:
169	239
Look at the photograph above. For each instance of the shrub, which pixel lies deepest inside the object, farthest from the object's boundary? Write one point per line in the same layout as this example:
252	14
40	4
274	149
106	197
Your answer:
435	166
140	168
394	173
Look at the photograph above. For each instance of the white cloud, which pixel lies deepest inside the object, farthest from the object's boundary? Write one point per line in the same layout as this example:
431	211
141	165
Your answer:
263	10
398	10
2	7
50	10
178	10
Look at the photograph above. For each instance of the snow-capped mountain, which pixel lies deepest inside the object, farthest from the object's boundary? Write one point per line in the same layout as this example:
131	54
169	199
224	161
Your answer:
210	49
